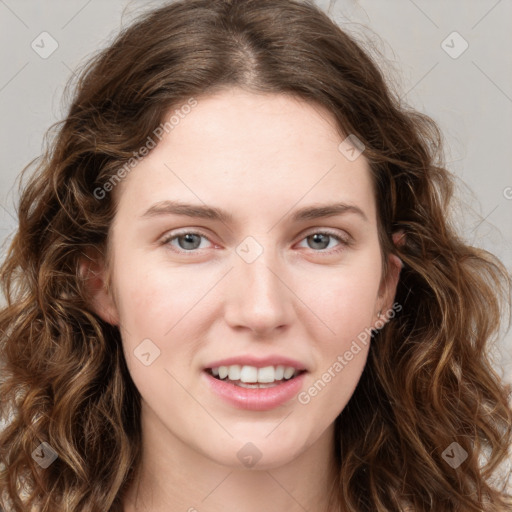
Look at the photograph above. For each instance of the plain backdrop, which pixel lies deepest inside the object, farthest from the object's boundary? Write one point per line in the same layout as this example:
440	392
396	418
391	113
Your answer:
448	58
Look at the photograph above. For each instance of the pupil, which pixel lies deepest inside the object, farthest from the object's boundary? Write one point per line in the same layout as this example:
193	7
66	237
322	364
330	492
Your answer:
188	241
316	236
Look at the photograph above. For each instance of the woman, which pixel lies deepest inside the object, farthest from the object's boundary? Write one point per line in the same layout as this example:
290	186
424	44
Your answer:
234	286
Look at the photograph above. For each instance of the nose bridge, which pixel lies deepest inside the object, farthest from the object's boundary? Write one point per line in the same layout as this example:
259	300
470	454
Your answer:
259	299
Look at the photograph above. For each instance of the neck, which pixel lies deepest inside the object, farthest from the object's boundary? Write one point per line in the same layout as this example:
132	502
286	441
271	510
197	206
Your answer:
174	476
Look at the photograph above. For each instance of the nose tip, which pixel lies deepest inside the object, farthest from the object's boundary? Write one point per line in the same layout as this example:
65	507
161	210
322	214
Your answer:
257	298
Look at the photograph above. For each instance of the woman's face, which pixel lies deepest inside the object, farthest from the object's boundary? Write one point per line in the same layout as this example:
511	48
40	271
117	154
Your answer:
250	281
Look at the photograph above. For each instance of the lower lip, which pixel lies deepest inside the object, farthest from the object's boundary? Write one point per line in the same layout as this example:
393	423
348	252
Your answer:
256	399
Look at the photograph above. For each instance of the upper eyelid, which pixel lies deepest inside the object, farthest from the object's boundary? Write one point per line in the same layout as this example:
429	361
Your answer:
171	235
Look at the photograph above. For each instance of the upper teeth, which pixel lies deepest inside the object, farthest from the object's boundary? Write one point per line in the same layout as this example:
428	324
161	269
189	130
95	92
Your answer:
252	374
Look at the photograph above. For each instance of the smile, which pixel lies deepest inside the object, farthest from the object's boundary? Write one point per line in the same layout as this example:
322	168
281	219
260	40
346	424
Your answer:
252	377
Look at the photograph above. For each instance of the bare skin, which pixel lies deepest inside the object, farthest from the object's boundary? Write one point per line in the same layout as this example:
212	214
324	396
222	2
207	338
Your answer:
261	158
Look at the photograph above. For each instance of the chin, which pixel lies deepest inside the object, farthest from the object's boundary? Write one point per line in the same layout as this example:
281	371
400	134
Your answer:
255	453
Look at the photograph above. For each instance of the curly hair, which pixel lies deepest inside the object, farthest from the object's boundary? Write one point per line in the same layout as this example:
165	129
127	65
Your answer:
428	381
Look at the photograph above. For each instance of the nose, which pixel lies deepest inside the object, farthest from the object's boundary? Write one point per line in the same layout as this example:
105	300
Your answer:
259	299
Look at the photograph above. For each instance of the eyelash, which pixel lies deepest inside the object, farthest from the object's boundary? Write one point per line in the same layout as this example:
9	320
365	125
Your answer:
344	242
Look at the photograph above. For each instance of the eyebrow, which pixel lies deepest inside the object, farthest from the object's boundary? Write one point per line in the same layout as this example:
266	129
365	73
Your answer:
212	213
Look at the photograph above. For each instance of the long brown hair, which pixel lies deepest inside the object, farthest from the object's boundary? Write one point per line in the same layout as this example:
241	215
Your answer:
428	382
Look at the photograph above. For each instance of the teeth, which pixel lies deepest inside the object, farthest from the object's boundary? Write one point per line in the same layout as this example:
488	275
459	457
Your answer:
254	386
234	372
251	374
288	372
279	373
223	372
266	374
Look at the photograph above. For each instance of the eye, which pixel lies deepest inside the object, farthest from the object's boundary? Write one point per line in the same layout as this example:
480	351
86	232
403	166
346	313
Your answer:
320	241
190	241
187	241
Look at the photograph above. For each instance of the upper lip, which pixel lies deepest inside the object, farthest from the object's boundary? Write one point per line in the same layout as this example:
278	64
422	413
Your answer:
258	362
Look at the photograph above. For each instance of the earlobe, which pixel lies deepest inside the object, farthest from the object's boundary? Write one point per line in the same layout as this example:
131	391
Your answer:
94	274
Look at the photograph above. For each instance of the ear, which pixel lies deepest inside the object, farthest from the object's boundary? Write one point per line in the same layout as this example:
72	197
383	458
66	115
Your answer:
94	273
387	290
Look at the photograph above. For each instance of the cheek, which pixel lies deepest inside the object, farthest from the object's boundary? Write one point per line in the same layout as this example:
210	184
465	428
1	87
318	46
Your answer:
161	303
155	309
343	299
152	296
346	308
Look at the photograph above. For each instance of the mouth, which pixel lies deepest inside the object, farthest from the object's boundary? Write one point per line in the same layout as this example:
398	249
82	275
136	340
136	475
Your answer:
255	388
251	377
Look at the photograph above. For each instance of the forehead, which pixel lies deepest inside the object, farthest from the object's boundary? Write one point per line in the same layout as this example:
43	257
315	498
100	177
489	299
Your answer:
234	146
261	123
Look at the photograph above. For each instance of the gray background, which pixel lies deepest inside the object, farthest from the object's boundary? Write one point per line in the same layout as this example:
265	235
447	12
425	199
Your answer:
469	95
